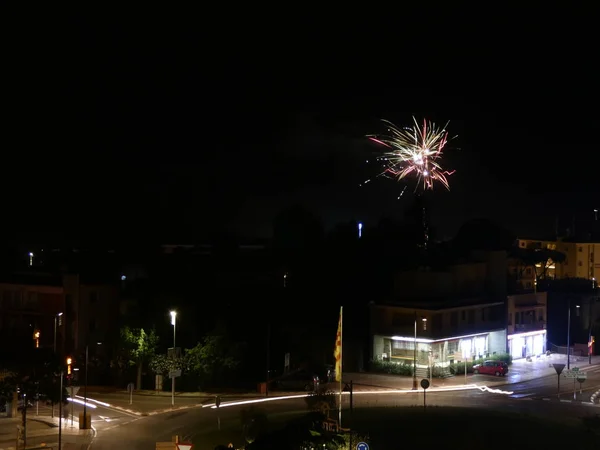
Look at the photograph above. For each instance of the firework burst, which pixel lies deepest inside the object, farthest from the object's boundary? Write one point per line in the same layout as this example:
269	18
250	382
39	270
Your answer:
415	151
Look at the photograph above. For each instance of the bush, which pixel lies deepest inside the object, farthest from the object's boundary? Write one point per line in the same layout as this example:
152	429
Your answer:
439	372
322	402
392	368
406	369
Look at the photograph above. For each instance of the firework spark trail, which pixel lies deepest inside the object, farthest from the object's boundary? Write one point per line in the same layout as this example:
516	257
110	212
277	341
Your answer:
417	150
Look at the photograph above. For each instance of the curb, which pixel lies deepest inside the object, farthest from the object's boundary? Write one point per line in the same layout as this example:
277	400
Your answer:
49	422
595	396
494	383
192	395
157	411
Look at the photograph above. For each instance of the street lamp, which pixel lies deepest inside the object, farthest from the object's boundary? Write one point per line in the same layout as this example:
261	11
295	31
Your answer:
415	383
174	323
56	318
569	334
85	386
85	390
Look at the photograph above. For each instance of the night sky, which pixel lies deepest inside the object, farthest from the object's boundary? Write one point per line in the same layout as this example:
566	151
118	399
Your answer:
180	126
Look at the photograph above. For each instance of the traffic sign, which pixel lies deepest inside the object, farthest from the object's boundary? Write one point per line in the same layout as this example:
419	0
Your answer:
184	446
424	383
559	368
362	446
175	373
575	374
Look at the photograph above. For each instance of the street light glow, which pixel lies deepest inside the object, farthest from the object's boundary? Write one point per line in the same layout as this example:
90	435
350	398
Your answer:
59	314
173	316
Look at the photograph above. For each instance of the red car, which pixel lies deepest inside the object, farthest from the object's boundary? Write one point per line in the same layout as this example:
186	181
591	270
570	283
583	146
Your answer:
497	368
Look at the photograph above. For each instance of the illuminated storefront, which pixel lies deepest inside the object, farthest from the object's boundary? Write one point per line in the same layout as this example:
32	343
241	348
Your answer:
441	351
523	345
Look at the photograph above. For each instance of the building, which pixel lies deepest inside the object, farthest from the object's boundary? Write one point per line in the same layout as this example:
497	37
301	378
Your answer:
526	324
443	333
582	258
482	275
39	308
521	277
29	310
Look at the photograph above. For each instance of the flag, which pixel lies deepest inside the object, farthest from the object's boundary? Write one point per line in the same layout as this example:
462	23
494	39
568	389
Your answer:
337	353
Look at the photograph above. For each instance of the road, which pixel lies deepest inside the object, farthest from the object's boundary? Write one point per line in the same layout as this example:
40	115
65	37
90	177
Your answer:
199	425
546	388
116	428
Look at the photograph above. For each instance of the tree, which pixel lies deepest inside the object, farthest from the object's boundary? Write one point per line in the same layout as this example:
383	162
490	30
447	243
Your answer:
541	259
162	364
547	258
139	347
212	358
35	372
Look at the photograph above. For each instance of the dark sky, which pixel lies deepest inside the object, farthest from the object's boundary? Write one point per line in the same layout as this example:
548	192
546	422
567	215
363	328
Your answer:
180	124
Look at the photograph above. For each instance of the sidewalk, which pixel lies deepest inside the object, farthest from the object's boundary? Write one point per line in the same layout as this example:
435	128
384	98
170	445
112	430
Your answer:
197	395
41	430
519	371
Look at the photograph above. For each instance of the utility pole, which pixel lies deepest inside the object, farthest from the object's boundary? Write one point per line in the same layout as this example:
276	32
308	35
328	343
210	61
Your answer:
24	418
415	385
85	390
268	357
60	415
569	336
590	346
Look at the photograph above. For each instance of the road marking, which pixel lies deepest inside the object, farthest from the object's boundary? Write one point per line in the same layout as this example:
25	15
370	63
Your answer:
566	401
547	399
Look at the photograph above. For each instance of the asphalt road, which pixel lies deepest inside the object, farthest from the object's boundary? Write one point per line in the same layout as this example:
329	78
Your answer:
118	429
200	425
547	388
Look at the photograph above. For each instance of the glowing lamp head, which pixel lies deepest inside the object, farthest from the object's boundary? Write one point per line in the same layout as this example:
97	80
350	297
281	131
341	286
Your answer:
173	317
360	225
69	361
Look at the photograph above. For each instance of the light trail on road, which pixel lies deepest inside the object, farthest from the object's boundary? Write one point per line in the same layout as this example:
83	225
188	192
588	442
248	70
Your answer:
81	402
95	401
467	387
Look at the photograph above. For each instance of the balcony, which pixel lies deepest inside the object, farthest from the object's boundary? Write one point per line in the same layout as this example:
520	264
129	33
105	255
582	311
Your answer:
526	327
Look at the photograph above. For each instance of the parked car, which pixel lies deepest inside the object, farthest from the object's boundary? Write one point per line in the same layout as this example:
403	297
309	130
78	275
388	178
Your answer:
498	368
298	380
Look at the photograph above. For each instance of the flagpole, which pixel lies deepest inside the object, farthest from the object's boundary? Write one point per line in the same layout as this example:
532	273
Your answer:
341	359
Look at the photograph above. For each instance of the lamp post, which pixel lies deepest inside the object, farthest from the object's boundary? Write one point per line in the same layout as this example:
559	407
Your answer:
415	383
56	318
174	323
60	413
85	389
569	334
